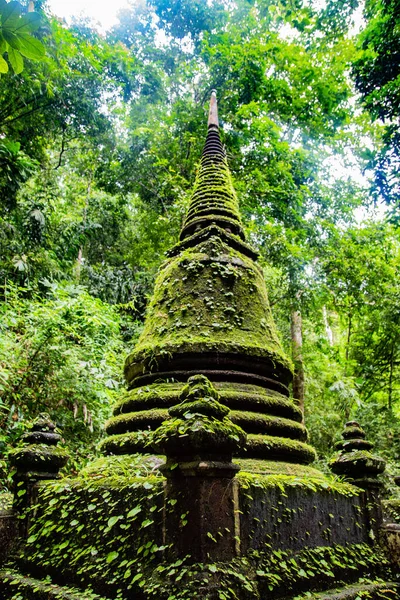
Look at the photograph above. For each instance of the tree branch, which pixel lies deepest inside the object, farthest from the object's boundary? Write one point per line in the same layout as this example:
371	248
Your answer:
7	121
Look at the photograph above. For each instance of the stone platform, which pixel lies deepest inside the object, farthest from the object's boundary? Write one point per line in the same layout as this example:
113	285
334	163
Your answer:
108	535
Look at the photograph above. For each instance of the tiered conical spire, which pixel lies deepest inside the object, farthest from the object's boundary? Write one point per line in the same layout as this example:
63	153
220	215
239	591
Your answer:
355	459
210	315
214	199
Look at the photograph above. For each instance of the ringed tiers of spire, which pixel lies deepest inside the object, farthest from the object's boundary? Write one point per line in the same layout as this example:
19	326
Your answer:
210	315
214	199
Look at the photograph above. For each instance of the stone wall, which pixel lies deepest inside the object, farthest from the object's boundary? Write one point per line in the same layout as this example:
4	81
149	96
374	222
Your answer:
108	534
8	534
293	513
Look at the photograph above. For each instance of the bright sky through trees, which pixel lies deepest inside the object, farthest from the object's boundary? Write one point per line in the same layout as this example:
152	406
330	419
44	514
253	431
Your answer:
101	11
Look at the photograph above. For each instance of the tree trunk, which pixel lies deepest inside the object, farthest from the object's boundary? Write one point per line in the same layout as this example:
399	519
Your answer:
78	265
328	329
349	332
297	356
390	391
79	260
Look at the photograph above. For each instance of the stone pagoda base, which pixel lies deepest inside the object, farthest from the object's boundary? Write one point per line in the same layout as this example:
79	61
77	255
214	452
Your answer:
296	532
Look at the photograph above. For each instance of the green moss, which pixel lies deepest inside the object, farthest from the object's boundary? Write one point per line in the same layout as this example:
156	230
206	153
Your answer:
206	300
20	587
39	456
309	482
206	406
232	240
259	423
283	572
272	467
213	194
136	421
253	398
364	590
354	444
197	435
127	443
199	397
353	432
218	216
258	446
391	510
157	395
234	395
96	531
279	448
128	465
357	463
199	387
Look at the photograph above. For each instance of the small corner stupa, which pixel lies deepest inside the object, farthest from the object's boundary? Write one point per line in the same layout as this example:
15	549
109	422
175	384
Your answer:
210	315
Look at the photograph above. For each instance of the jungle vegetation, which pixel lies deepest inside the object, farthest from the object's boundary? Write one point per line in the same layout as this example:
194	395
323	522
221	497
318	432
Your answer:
100	137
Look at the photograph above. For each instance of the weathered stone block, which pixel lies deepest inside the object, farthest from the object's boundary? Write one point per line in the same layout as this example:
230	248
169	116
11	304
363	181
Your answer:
8	534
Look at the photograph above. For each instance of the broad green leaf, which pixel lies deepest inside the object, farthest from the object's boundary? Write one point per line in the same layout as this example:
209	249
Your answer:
32	539
134	511
302	573
112	556
31	47
63	545
16	60
3	44
28	23
10	15
3	65
112	520
11	39
146	523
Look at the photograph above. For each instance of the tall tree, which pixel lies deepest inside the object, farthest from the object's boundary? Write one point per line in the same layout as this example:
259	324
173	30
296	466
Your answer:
377	71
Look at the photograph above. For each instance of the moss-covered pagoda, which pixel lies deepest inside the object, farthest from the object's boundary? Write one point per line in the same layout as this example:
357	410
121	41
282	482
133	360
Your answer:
206	488
210	314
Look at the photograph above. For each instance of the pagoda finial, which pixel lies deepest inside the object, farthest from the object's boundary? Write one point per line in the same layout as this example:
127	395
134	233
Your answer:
213	112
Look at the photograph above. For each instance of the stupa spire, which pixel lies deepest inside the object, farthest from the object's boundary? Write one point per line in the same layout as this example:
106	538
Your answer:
214	201
213	112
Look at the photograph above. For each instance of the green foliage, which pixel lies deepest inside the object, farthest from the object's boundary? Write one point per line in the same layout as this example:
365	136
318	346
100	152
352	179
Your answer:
350	341
16	168
306	481
287	571
376	70
24	588
105	528
108	529
15	36
59	354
